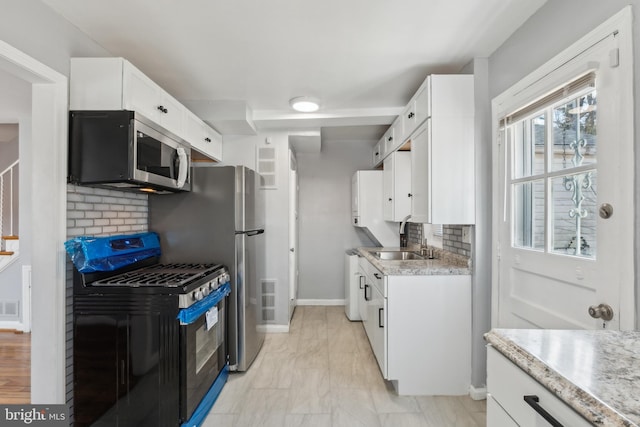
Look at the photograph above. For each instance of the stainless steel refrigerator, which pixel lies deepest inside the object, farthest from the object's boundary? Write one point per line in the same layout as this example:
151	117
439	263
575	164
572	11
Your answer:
221	220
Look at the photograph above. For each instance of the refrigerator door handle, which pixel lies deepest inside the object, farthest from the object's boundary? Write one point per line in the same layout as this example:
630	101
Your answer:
252	232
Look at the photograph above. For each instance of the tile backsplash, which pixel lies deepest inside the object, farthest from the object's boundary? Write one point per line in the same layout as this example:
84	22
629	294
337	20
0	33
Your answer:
101	212
451	238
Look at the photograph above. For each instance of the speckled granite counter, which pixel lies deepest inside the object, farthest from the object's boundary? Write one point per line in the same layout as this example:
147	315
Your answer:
597	373
445	263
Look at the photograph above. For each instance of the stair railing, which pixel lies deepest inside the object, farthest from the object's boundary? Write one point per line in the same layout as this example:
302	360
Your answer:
7	175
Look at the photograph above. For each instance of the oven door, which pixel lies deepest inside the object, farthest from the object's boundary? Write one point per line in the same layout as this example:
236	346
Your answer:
203	352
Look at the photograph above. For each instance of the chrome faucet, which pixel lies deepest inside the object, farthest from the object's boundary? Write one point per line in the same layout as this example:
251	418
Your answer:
403	235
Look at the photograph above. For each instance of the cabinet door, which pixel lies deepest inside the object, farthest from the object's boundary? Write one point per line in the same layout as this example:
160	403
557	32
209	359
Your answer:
171	114
421	174
422	106
416	112
140	93
377	152
202	138
397	186
143	95
375	326
362	303
387	188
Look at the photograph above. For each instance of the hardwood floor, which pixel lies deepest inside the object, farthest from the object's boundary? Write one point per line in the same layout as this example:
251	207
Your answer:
15	368
323	373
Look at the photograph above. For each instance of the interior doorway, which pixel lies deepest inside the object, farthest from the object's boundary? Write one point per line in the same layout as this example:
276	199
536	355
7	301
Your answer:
293	232
43	138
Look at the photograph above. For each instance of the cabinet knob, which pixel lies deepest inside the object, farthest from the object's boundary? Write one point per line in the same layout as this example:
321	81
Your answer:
389	198
377	153
410	116
390	138
207	140
162	109
409	195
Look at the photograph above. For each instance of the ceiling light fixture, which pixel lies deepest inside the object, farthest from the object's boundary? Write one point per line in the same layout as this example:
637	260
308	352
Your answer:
304	104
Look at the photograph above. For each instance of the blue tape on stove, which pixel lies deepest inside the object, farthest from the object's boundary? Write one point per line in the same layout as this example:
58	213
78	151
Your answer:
189	315
91	254
208	400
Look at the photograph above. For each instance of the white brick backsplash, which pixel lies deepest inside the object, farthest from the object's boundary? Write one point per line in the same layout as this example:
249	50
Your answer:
73	197
72	232
84	222
84	206
75	214
102	212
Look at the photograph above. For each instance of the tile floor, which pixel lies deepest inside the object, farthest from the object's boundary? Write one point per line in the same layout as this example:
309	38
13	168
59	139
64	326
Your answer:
323	373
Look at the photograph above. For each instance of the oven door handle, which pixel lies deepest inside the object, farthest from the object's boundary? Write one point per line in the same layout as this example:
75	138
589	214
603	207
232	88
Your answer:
191	314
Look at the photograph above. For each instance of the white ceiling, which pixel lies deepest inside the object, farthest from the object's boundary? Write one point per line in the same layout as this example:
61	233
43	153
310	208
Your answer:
357	56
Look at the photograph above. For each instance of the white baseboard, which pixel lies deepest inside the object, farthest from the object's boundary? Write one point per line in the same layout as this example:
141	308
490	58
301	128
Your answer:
328	302
11	325
477	393
273	329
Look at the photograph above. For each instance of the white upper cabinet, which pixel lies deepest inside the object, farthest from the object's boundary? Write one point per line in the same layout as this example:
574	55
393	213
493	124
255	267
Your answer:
141	94
442	154
396	179
377	152
115	84
203	139
416	112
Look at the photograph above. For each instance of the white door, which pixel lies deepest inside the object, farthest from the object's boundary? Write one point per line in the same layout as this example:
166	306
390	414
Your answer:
293	233
565	162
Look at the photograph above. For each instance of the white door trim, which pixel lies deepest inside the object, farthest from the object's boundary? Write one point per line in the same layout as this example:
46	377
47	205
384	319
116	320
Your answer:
512	98
48	145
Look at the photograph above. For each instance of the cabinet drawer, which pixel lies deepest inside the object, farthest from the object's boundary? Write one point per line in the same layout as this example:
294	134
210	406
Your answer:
508	384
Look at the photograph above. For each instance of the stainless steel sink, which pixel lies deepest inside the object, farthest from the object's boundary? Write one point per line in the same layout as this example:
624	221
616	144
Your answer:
398	255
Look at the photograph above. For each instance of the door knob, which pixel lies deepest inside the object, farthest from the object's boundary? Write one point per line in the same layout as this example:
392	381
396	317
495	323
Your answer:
602	311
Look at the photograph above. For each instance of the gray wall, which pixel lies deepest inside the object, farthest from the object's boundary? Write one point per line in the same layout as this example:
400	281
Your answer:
554	27
325	216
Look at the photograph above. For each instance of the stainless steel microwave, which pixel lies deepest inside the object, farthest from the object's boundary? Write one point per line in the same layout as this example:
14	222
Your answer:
125	151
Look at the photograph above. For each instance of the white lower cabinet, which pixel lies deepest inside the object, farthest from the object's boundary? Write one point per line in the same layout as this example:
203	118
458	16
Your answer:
496	415
508	385
419	328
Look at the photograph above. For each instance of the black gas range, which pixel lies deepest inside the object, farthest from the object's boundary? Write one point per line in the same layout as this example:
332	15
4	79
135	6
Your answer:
191	282
149	341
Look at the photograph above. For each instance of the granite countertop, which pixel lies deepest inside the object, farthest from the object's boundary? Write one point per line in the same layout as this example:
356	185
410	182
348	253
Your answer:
597	373
445	263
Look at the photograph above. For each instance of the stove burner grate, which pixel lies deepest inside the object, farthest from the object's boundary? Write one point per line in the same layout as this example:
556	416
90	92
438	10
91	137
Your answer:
162	275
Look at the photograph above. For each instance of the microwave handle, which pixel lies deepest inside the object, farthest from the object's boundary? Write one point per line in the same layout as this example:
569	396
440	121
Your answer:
183	167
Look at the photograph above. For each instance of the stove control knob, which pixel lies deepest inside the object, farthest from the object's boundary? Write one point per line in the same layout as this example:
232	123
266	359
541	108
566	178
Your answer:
226	277
205	290
197	295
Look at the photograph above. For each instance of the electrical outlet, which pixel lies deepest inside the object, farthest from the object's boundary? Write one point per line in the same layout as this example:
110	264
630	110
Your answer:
466	234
